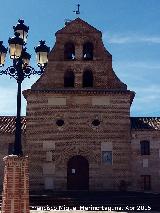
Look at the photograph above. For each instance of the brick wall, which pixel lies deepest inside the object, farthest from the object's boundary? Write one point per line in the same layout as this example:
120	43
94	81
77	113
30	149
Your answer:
5	140
50	146
15	196
78	136
152	167
108	100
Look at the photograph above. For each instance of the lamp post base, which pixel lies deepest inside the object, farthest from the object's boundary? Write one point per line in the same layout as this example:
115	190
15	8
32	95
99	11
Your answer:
15	196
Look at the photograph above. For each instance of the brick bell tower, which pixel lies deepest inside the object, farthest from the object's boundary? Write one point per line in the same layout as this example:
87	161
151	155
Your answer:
78	117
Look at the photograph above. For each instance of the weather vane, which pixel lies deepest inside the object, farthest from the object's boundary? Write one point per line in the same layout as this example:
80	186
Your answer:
77	12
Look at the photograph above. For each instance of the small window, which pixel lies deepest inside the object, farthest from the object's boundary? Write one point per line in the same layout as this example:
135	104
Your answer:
88	51
145	147
69	79
87	79
10	148
69	51
107	157
146	182
60	122
95	122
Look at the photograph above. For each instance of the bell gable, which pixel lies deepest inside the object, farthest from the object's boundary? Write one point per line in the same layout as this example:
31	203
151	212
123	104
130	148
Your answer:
79	60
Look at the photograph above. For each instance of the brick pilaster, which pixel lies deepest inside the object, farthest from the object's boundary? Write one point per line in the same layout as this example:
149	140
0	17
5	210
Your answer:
15	197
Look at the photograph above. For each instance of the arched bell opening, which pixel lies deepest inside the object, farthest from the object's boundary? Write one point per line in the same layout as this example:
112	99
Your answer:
88	51
87	80
69	51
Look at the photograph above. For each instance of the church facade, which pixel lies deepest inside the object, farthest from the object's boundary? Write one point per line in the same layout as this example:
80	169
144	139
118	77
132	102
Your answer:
77	131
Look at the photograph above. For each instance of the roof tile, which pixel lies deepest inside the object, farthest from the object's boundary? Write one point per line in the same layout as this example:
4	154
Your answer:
145	123
7	123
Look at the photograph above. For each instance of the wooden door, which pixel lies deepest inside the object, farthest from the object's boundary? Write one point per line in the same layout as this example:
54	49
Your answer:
78	173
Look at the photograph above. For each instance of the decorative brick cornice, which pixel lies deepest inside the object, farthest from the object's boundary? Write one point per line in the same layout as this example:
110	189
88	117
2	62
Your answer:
81	91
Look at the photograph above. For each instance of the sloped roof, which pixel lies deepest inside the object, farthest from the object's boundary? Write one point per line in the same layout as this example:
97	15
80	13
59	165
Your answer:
7	123
78	26
145	123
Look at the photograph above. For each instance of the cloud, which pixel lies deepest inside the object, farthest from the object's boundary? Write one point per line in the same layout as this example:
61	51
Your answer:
141	77
134	73
8	101
28	82
138	64
8	95
146	101
132	38
137	71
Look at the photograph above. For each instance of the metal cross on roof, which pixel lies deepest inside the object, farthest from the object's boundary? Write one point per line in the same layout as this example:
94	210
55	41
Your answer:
77	12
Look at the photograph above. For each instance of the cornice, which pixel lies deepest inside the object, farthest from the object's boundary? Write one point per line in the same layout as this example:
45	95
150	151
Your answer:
91	91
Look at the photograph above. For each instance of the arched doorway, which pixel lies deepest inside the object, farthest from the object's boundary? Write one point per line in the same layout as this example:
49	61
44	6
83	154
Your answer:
77	173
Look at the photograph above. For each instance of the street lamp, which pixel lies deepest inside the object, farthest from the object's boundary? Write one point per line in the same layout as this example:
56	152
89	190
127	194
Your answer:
21	69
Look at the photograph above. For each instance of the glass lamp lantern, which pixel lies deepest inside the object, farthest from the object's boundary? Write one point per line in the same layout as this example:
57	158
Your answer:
15	46
3	52
25	57
22	29
42	54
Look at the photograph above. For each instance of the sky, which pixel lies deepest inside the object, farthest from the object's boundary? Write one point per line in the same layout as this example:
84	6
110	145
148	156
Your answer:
131	33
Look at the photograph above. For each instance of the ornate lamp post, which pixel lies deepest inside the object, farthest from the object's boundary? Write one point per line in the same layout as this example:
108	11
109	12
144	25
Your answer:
21	69
16	166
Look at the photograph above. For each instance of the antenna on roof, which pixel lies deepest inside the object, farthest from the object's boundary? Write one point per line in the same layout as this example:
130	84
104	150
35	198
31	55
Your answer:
67	21
77	12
